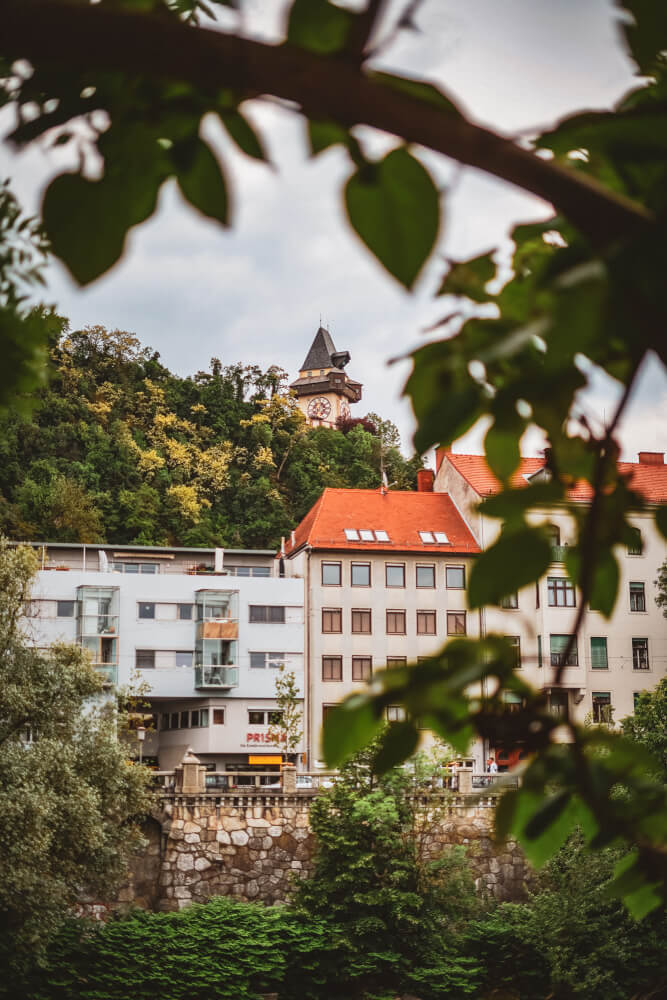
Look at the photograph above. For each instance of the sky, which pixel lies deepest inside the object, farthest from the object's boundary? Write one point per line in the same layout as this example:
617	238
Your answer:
256	293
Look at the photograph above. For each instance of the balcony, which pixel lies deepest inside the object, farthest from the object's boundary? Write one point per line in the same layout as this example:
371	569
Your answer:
558	553
108	673
216	677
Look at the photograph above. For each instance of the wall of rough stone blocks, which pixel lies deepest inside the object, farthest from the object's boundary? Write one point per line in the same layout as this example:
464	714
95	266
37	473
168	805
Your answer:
254	847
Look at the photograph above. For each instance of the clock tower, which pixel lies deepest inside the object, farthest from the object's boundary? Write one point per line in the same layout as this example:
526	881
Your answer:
323	388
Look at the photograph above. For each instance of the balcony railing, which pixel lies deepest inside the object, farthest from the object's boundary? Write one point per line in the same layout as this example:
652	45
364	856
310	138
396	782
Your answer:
108	671
558	553
216	677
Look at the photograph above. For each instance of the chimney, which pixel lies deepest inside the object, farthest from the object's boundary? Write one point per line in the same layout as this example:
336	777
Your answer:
219	560
292	538
651	458
282	545
425	479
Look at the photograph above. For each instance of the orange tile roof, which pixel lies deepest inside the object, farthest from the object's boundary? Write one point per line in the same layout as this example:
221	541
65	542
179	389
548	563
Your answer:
647	479
401	514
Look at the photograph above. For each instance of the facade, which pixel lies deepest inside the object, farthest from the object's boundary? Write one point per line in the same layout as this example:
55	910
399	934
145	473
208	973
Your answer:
385	581
324	391
615	658
205	629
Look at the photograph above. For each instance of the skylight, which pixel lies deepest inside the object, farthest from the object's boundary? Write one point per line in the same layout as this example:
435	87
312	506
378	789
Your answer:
441	538
434	537
427	537
352	534
381	536
366	535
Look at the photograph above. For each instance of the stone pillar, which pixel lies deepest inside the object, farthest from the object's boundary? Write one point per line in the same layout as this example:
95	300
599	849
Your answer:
289	779
465	780
193	780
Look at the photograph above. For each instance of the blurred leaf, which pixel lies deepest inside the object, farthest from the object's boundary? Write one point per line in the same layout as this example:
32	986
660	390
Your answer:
605	583
469	278
425	92
318	26
394	207
647	37
244	135
661	520
348	727
201	180
501	444
511	504
505	811
517	558
398	743
547	814
323	134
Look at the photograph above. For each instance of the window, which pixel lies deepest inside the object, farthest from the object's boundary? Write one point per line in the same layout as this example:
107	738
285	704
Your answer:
361	621
426	576
441	538
360	574
267	613
146	610
185	720
395	713
558	703
396	661
561	592
637	597
599	659
331	574
396	623
455	577
426	623
635	545
218	716
553	532
366	536
325	711
332	668
381	536
145	659
509	601
456	623
515	643
274	718
134	567
512	701
602	710
199	717
332	620
539	650
537	594
184	612
352	534
558	647
65	609
635	700
262	660
640	654
255	718
395	574
164	724
362	668
427	537
183	657
174	721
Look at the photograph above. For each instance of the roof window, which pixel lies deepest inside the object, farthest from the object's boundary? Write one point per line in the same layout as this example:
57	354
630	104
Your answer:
381	536
433	537
441	538
427	537
366	535
352	534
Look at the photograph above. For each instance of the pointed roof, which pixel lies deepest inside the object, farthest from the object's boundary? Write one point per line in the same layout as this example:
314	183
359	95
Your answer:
322	353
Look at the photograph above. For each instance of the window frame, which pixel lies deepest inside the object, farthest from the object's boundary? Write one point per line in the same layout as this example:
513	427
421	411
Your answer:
141	605
402	616
597	704
557	585
361	611
394	565
71	603
574	652
636	547
361	675
269	609
425	566
334	612
515	642
459	568
356	564
637	596
636	649
327	564
333	661
431	616
510	602
454	614
397	711
597	657
139	666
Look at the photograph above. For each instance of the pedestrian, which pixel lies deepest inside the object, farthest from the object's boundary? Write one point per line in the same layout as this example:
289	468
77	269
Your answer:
493	767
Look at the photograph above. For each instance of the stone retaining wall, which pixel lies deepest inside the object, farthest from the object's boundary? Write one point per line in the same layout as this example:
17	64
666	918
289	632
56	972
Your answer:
253	847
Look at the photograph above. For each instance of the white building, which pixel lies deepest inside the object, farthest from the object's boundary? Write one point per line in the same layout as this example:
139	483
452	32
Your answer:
205	629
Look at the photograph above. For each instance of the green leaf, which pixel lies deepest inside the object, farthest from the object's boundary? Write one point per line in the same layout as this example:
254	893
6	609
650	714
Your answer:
505	812
647	37
394	207
547	814
605	583
630	882
399	743
511	504
519	557
244	135
425	92
545	841
323	134
501	444
201	180
348	727
318	26
469	278
661	520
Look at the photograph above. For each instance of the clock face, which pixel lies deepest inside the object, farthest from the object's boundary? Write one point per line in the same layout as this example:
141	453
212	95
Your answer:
320	407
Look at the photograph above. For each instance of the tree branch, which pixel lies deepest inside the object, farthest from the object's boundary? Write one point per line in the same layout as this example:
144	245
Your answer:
98	38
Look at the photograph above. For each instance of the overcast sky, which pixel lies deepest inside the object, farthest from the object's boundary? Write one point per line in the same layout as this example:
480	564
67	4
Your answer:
255	294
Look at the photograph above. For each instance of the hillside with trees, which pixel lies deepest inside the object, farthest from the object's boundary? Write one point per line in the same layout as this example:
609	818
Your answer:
116	448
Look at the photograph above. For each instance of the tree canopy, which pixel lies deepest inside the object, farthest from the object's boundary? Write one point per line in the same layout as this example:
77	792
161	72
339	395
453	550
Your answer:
588	284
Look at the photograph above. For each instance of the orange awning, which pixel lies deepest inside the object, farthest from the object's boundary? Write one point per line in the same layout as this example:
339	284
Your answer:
264	758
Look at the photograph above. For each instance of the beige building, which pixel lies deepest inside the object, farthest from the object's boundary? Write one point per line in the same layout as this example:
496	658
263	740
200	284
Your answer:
323	389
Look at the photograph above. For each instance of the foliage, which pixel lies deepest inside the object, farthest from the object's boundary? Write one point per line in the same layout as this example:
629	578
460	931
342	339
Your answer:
648	725
661	584
286	729
586	294
68	797
118	449
393	914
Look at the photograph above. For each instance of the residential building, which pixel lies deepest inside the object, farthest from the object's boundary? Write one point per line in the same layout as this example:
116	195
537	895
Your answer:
385	583
324	391
613	659
205	629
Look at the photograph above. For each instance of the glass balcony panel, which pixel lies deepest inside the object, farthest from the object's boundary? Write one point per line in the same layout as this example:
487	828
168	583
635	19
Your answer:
216	677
